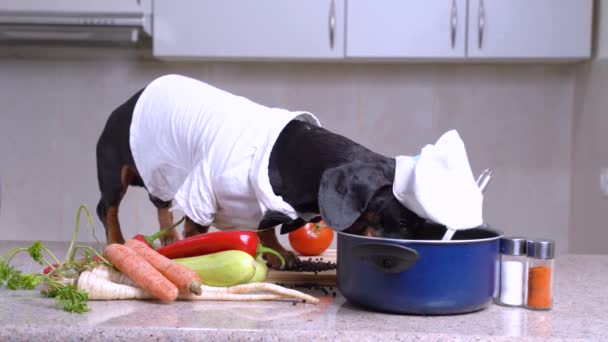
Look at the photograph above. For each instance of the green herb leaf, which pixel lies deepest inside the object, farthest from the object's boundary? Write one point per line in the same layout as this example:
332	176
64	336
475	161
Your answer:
73	300
36	251
8	275
5	272
54	283
29	281
68	296
14	280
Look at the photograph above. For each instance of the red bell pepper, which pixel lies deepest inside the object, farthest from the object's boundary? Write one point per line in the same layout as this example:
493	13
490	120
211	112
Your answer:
208	243
149	240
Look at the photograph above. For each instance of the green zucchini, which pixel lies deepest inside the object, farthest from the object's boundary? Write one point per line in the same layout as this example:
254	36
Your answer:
261	270
222	269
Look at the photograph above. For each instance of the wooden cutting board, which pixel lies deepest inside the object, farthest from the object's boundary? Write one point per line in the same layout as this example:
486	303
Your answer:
326	278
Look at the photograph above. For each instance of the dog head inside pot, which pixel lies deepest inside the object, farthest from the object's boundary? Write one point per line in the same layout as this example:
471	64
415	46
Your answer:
358	198
395	198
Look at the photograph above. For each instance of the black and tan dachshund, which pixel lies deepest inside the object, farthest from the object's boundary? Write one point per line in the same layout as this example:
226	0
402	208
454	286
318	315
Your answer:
348	184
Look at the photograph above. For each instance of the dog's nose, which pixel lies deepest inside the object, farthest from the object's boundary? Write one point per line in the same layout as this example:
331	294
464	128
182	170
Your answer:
371	232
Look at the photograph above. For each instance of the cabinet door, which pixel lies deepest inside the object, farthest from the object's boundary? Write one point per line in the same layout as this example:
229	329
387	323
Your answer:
406	29
245	29
530	29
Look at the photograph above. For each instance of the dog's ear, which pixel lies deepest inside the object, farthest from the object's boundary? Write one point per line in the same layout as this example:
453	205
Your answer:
346	191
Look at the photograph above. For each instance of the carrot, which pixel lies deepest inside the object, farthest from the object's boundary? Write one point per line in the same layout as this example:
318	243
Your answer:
186	280
140	271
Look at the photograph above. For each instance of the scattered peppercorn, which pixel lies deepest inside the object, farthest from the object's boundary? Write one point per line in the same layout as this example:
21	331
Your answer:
312	266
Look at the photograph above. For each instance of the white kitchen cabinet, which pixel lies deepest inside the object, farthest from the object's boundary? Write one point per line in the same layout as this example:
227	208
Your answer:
245	29
529	29
406	29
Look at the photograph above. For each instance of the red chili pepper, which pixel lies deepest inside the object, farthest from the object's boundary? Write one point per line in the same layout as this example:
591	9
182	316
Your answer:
149	240
208	243
48	269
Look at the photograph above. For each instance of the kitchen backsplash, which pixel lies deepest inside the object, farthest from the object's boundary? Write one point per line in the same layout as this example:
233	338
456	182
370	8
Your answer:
588	232
516	119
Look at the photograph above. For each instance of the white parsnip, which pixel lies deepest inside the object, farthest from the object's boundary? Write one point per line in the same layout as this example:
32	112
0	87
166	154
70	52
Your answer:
100	284
254	287
113	275
222	296
100	288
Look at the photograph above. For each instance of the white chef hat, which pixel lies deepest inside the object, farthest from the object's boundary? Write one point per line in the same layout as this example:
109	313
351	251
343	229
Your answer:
438	184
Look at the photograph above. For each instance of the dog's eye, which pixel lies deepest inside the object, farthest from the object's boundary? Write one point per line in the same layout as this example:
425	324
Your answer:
408	222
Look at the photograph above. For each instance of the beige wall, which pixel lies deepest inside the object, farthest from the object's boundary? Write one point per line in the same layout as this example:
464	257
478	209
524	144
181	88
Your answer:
588	230
514	118
589	205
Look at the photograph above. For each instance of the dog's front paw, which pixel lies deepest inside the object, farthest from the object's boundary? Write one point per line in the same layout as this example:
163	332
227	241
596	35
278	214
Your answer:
169	238
275	263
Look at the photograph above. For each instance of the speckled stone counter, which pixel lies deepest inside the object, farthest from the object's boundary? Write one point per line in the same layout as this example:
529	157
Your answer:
580	313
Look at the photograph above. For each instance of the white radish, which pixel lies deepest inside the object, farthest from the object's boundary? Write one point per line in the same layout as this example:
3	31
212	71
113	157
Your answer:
100	287
113	275
222	296
253	287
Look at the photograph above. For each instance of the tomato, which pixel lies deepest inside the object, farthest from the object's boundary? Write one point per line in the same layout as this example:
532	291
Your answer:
311	239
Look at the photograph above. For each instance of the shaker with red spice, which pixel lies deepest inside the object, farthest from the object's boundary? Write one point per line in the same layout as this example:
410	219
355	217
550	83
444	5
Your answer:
541	254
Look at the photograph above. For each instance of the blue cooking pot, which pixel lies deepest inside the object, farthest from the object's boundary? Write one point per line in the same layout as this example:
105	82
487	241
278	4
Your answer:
425	275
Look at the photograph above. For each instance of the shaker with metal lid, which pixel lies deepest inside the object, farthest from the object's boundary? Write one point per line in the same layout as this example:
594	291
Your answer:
513	268
541	254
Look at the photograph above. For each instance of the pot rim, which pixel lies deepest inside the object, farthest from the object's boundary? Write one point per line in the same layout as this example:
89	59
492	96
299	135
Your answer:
499	234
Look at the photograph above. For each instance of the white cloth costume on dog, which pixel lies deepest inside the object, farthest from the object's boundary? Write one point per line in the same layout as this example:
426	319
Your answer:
208	150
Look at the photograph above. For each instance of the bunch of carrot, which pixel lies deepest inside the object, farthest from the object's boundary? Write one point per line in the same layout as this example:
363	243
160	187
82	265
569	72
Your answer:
157	274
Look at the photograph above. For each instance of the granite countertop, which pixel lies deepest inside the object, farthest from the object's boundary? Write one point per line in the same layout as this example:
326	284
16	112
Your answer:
580	313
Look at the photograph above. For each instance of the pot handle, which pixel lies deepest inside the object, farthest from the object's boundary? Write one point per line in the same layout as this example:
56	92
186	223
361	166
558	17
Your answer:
388	258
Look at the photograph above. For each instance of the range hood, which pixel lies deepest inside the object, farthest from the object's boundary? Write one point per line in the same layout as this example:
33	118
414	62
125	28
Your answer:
75	21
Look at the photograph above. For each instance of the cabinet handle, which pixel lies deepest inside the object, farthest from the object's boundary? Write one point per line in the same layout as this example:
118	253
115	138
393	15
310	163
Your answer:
332	23
453	23
481	23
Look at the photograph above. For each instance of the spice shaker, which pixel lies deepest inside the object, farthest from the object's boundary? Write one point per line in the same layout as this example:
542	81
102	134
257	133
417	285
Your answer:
513	268
541	254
